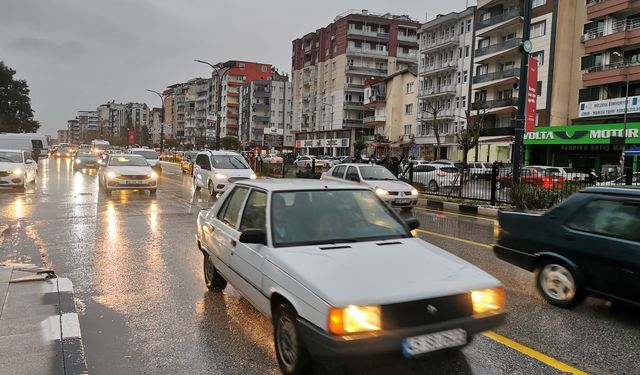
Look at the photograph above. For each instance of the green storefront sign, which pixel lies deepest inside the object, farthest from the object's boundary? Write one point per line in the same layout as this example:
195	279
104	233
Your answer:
583	134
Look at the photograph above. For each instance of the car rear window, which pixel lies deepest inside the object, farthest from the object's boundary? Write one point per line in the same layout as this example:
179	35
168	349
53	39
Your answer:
449	169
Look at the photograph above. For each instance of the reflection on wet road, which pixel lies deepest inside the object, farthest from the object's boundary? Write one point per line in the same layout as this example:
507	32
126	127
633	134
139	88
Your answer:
145	309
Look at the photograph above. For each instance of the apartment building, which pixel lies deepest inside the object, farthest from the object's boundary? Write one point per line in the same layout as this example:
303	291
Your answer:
137	121
241	73
265	113
88	125
394	101
446	61
74	133
155	124
329	69
63	136
112	119
554	34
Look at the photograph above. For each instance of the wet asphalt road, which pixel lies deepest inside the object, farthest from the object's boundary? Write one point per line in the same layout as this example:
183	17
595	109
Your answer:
144	308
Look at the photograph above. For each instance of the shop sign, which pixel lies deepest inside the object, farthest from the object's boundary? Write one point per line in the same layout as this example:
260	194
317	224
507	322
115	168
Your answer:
583	134
313	143
609	107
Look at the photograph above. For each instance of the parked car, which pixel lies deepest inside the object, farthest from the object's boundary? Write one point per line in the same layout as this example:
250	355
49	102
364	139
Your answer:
450	163
532	176
620	181
186	164
216	171
307	162
587	245
292	248
151	156
433	176
480	170
86	160
394	192
17	169
127	172
272	159
573	174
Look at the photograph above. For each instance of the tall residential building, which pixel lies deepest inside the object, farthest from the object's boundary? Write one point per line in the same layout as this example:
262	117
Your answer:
138	122
63	136
155	122
112	119
88	124
497	57
74	133
394	103
241	73
446	47
329	70
265	113
186	107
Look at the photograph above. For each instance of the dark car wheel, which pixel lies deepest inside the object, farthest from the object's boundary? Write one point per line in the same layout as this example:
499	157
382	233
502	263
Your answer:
212	278
558	284
291	353
212	190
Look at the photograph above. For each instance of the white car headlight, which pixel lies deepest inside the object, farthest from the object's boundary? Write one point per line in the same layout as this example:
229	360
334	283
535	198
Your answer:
221	176
154	175
488	301
17	172
414	192
111	174
381	191
355	319
253	176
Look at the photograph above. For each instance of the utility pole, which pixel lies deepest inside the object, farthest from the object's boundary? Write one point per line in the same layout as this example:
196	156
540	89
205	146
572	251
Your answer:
518	145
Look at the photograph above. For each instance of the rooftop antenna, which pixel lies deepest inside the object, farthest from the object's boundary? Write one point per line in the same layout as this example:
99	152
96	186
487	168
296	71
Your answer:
426	16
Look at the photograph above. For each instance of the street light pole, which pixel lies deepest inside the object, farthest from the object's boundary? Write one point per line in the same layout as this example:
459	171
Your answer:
216	69
624	119
518	144
162	99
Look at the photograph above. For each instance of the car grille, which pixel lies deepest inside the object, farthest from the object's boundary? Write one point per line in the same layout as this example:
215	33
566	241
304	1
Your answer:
5	174
418	313
393	193
234	179
133	176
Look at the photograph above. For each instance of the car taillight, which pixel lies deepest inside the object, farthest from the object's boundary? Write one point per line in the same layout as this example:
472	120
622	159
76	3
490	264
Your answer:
546	182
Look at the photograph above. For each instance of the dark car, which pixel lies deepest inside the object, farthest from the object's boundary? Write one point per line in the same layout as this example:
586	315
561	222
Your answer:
86	160
587	245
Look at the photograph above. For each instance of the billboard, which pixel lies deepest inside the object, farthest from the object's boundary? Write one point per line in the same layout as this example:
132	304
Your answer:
609	107
532	95
583	134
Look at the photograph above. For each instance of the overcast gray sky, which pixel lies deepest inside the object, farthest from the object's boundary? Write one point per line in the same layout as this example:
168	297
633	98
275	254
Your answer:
78	54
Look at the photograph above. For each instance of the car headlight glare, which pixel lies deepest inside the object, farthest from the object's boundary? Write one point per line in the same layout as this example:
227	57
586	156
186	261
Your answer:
17	172
253	176
220	176
488	301
354	319
154	175
111	174
381	191
414	192
78	161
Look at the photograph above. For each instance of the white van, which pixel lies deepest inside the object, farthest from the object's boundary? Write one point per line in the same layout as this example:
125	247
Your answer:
99	146
25	142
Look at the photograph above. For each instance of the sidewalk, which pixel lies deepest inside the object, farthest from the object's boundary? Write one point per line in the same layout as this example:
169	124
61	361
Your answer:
39	327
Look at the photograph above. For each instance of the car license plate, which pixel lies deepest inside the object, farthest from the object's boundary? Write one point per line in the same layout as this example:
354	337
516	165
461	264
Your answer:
402	201
132	182
434	341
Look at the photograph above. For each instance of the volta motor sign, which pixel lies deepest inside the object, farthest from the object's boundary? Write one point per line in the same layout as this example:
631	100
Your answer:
583	134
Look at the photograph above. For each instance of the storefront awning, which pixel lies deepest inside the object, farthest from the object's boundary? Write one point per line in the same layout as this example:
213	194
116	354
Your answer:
497	139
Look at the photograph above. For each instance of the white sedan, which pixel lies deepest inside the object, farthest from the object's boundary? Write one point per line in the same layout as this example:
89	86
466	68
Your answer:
394	192
340	274
17	169
127	172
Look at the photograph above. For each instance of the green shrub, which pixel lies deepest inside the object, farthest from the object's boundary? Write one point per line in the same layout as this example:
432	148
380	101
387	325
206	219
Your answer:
534	197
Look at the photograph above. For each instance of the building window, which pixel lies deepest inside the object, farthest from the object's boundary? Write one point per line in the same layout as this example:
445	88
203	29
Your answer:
408	109
348	98
538	56
333	66
466	51
461	27
457	102
466	76
538	29
410	88
241	65
539	89
407	130
264	68
468	25
464	102
537	3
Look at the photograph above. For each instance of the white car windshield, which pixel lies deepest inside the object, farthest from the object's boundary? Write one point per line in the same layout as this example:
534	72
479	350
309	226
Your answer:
10	157
229	162
331	216
146	154
127	161
376	173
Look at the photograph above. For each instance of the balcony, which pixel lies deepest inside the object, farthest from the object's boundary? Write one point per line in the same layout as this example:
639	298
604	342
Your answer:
508	73
494	48
601	8
450	41
374	34
234	94
442	114
367	51
375	101
437	91
353	106
436	68
232	115
307	48
612	73
496	103
352	123
353	86
261	94
261	118
510	14
374	120
367	70
411	55
622	33
261	107
407	38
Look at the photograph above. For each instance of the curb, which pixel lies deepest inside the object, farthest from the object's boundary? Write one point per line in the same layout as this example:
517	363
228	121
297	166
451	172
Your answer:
71	336
459	208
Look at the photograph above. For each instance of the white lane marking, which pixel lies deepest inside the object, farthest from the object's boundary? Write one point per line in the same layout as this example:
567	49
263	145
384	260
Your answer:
70	325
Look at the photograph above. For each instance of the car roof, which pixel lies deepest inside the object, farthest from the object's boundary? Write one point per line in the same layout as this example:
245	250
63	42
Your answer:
213	152
141	149
301	184
10	150
614	190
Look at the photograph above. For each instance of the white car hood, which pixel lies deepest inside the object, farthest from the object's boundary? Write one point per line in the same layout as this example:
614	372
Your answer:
6	166
129	170
367	273
389	185
153	162
235	172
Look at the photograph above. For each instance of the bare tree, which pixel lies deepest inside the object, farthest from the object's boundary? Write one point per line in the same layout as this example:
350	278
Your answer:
433	108
469	137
